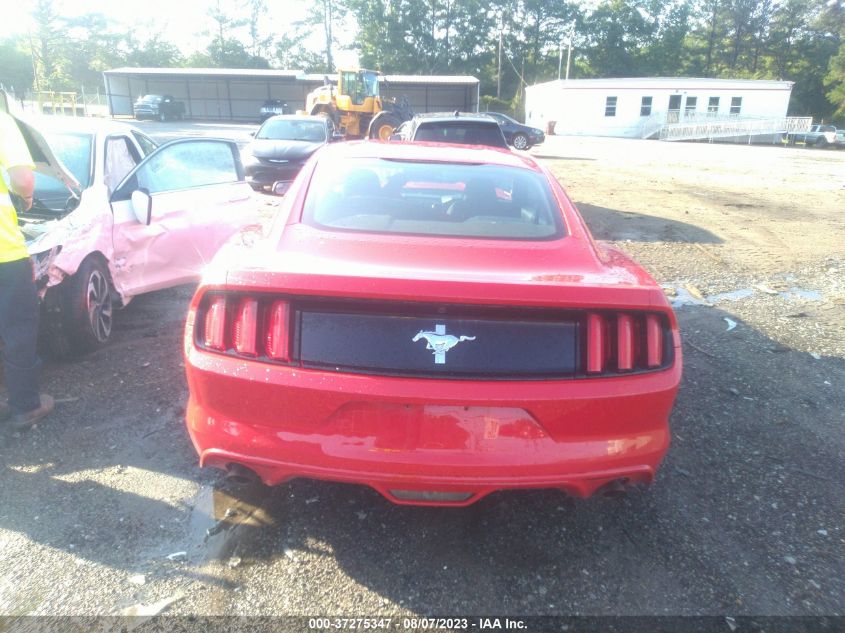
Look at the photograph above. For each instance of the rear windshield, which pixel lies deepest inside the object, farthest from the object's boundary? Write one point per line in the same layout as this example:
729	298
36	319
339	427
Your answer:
293	130
150	99
432	198
465	133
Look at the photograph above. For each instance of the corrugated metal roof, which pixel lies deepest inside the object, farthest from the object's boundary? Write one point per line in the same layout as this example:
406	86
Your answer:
209	72
404	79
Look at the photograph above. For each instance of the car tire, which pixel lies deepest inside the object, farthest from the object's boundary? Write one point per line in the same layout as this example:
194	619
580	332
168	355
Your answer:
822	143
83	321
520	141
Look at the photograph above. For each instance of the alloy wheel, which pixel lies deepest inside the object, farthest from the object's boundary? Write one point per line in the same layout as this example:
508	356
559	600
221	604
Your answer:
520	141
99	304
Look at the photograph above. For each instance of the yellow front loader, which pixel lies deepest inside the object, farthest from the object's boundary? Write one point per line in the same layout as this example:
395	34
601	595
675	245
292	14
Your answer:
356	107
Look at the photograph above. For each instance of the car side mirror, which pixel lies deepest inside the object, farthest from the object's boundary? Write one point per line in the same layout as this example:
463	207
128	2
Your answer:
142	206
252	134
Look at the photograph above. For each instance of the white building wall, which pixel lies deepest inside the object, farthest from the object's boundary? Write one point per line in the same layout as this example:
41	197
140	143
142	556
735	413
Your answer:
578	106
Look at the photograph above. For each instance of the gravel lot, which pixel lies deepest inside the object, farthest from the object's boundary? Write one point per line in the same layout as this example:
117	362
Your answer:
745	518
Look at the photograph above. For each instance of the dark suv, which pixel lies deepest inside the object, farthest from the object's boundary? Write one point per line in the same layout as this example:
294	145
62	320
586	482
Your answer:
455	128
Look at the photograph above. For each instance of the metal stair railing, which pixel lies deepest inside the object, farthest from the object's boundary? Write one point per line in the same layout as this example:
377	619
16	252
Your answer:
697	127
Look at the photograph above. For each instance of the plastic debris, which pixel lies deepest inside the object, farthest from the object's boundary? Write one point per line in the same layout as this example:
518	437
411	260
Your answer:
732	625
361	515
308	502
790	559
816	356
143	612
138	579
234	561
289	554
177	556
734	390
731	324
821	532
766	289
695	292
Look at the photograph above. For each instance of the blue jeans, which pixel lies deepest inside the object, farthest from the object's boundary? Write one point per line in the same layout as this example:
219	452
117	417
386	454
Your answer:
19	309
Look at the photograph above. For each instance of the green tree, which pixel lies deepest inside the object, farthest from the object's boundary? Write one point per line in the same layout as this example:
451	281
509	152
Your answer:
832	21
16	72
49	47
153	53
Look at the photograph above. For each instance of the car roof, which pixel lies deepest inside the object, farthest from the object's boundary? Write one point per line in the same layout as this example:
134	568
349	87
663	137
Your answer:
428	152
298	117
87	125
453	116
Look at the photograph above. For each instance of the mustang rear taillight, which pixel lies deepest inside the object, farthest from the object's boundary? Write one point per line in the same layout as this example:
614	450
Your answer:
625	342
277	336
215	324
245	325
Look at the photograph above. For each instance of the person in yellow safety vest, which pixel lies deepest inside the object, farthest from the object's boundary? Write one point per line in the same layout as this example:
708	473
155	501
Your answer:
19	305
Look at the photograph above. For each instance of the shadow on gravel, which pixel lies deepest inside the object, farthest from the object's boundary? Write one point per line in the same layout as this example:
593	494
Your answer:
617	225
744	518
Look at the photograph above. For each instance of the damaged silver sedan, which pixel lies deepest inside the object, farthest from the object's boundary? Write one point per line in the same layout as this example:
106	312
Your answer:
115	216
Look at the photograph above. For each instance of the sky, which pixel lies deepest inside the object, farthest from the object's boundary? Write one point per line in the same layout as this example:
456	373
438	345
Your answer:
179	21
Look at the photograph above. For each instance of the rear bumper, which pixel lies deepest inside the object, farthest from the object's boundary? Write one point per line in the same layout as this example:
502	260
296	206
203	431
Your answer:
441	436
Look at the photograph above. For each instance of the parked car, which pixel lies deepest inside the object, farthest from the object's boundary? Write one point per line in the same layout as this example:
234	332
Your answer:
436	323
115	216
516	134
282	145
272	107
158	107
453	128
819	135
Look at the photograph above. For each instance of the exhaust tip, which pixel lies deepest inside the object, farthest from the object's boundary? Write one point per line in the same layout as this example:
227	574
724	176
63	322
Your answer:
614	489
241	475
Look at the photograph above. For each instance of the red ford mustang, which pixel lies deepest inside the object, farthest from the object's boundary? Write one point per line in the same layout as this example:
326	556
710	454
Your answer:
437	323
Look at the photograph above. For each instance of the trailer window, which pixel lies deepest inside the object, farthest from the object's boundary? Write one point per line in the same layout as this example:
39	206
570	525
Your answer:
713	105
736	105
610	106
645	107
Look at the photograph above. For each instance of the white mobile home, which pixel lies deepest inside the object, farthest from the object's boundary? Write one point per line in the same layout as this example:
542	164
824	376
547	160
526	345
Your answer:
639	107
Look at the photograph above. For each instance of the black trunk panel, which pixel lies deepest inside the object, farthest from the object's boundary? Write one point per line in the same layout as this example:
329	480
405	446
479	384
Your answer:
384	344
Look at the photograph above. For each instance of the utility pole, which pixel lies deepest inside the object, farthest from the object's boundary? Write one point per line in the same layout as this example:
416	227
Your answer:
560	57
34	65
499	73
568	54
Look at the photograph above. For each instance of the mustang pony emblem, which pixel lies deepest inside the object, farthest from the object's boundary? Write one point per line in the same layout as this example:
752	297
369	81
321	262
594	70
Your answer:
439	342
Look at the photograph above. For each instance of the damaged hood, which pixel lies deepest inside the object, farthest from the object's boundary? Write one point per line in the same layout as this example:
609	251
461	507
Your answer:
46	162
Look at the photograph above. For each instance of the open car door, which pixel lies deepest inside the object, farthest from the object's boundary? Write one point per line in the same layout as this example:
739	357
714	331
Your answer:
174	210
